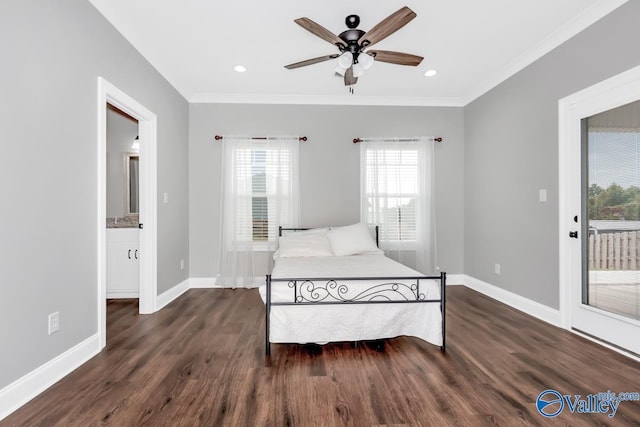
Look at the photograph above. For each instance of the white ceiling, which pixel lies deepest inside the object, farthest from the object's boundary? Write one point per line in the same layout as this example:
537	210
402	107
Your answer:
473	45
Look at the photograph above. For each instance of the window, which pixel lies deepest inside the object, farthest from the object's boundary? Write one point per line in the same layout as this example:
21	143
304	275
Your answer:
396	195
263	179
260	192
391	191
262	188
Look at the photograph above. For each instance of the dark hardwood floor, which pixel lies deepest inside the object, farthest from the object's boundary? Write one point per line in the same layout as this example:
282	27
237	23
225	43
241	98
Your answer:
200	361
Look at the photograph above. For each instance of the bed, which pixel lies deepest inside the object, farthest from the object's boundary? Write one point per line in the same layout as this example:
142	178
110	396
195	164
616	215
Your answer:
346	289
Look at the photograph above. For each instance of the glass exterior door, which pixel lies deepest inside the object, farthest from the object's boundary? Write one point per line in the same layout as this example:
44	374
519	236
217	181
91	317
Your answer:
599	203
611	199
605	295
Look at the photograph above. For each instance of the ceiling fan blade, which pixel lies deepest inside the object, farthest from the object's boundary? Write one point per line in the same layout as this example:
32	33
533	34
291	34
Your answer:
387	26
348	77
396	57
317	29
310	61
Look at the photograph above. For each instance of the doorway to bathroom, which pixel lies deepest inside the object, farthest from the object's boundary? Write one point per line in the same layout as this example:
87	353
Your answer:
123	207
138	180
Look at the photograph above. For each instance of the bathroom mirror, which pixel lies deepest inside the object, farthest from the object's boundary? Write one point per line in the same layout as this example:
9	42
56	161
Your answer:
131	193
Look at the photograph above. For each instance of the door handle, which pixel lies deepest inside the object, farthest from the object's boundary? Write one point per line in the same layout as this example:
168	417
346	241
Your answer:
573	234
136	254
129	254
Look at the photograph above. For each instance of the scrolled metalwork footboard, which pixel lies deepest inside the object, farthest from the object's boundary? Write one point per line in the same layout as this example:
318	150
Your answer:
331	290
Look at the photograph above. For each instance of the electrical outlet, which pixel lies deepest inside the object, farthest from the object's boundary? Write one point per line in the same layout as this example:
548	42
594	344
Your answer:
54	322
181	264
166	197
497	269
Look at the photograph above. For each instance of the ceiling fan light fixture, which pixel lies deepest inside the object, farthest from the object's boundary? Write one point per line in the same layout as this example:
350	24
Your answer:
365	60
345	60
340	70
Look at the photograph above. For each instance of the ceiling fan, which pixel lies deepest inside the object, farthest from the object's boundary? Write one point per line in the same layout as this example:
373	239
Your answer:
353	60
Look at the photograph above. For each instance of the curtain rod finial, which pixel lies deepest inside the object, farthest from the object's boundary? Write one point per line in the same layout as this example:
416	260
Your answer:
218	137
356	140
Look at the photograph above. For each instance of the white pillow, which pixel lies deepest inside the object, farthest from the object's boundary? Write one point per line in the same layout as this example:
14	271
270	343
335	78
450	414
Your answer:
304	244
351	240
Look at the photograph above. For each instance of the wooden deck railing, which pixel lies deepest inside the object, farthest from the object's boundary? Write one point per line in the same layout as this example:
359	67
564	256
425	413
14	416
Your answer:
614	251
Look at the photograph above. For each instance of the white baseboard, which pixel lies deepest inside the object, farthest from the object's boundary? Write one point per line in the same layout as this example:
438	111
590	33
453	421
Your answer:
455	279
516	301
123	294
203	283
171	294
35	382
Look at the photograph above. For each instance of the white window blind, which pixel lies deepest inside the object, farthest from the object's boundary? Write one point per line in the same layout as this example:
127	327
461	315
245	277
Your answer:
392	190
264	183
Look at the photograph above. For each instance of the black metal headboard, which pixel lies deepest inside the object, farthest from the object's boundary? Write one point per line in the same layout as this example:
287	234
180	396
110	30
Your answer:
281	229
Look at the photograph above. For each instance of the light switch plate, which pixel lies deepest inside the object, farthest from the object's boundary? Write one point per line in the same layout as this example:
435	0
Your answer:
54	322
543	195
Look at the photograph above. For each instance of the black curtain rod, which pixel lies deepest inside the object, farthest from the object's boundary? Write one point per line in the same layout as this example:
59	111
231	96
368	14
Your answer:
435	139
300	138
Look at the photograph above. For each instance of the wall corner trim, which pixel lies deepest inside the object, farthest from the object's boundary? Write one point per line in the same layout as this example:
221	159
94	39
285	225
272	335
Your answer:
35	382
171	294
526	305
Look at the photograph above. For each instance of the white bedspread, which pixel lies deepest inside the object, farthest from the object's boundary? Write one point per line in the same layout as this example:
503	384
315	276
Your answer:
349	322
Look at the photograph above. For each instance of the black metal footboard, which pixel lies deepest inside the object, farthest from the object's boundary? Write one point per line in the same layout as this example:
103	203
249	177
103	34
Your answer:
336	291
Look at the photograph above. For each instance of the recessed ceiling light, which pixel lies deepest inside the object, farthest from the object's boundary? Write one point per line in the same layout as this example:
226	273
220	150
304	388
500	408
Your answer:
430	73
240	68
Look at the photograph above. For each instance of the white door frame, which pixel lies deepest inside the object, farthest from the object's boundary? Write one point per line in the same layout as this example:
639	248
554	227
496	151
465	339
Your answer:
619	90
147	128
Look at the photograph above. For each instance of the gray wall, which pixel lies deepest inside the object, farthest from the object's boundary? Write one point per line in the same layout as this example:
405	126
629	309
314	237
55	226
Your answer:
53	53
329	165
121	132
511	151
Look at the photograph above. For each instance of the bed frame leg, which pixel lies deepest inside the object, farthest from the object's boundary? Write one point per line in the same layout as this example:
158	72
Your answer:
267	343
443	299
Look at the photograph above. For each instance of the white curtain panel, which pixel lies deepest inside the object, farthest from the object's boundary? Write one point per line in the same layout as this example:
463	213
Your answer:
260	191
397	194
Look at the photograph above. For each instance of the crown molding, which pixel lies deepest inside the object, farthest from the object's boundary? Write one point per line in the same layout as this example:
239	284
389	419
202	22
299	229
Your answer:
408	101
591	15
